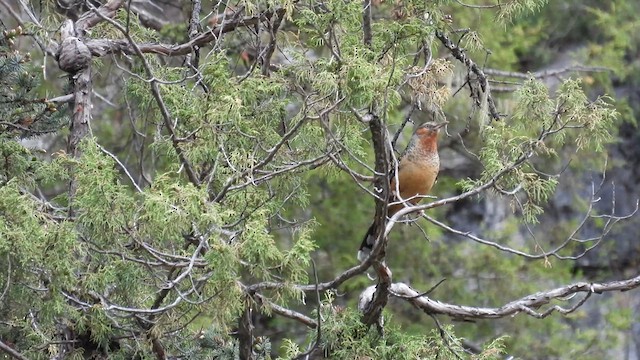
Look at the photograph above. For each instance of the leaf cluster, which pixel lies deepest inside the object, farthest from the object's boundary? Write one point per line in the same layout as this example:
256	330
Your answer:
538	125
22	113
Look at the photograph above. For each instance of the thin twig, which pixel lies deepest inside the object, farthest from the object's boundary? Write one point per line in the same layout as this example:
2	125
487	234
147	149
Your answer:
11	351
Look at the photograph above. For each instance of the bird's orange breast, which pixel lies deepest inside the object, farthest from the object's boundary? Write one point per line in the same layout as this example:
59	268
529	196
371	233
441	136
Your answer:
415	180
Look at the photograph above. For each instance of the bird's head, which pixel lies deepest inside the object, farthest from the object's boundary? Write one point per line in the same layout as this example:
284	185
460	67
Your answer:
430	129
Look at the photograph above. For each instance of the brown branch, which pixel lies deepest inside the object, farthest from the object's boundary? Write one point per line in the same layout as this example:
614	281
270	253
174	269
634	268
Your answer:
366	23
245	333
194	25
102	47
79	127
11	351
71	58
373	311
273	29
522	305
478	6
288	313
155	91
459	54
332	284
92	18
403	124
81	110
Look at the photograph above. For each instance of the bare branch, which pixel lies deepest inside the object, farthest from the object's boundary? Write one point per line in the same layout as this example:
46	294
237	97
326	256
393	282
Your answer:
611	220
459	54
381	147
11	351
245	333
102	47
471	6
404	123
332	284
155	90
525	304
93	17
79	127
288	313
273	29
122	166
366	23
271	154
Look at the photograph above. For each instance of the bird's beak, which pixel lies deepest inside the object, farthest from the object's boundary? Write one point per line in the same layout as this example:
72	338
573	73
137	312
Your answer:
441	124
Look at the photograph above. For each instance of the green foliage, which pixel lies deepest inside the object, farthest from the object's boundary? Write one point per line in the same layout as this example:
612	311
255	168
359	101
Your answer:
539	124
616	39
129	21
29	237
345	337
22	114
85	253
514	8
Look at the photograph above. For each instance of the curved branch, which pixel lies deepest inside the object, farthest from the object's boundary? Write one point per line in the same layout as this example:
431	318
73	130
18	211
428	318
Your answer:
611	220
11	351
155	90
459	54
92	18
522	305
102	47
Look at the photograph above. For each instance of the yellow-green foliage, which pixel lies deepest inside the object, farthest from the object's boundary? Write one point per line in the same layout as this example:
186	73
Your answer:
539	125
345	337
186	250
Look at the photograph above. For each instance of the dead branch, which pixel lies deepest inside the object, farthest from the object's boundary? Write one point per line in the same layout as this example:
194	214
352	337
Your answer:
155	90
525	305
459	54
11	351
102	47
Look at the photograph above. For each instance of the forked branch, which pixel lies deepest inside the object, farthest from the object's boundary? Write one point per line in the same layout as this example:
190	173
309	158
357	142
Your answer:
527	304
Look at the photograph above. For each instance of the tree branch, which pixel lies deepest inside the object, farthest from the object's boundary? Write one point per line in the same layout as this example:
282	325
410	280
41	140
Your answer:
92	18
79	127
288	313
155	90
245	333
102	47
525	304
459	54
273	29
379	138
11	351
366	23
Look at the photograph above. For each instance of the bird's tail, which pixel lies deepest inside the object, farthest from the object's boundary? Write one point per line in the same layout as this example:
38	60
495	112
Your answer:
367	243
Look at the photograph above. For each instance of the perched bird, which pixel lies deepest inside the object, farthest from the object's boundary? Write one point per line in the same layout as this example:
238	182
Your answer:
417	172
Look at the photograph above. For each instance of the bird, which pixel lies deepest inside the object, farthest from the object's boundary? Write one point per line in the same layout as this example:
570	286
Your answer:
417	172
